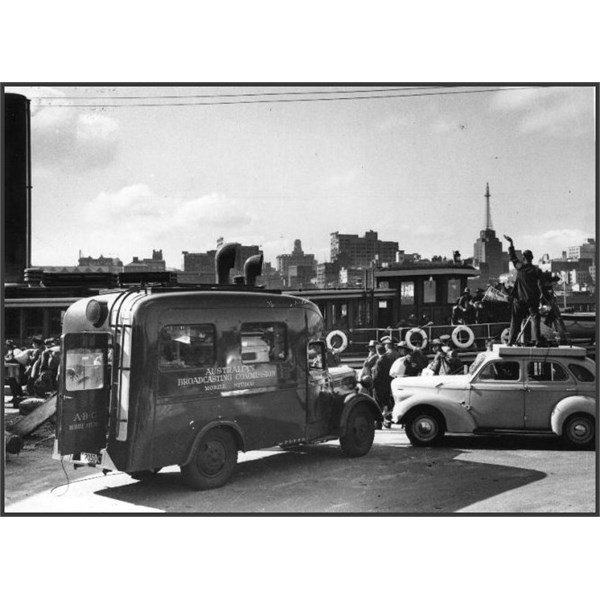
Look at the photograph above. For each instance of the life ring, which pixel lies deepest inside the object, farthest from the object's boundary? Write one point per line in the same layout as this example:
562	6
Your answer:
505	336
331	336
456	339
409	335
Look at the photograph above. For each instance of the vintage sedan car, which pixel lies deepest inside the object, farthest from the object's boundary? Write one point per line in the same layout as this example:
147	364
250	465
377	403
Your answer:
508	388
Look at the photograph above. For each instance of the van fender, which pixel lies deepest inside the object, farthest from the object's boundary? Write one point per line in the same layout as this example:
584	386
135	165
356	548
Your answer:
228	425
352	400
569	406
456	414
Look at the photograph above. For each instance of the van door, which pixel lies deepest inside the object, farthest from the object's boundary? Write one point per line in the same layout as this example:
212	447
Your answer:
84	393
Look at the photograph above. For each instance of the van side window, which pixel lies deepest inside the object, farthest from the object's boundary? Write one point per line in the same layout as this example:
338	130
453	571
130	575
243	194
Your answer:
186	346
263	342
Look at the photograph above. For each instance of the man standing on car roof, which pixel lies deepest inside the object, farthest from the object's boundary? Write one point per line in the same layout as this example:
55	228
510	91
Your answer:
526	295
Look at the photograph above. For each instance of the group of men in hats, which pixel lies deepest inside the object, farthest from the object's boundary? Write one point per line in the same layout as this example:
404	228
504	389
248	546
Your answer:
389	359
38	367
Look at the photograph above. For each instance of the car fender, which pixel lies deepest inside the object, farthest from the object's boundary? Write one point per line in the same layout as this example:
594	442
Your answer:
569	406
456	414
228	425
352	400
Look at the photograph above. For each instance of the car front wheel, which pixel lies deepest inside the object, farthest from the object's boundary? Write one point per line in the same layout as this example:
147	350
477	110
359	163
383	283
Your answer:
424	428
360	432
579	431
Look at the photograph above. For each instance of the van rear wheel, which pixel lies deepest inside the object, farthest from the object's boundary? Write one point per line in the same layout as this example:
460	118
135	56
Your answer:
360	432
213	461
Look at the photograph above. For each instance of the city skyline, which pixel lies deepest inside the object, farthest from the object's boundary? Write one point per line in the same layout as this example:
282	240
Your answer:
266	166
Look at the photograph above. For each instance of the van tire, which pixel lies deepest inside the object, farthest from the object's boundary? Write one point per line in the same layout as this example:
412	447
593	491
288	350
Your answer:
360	432
213	461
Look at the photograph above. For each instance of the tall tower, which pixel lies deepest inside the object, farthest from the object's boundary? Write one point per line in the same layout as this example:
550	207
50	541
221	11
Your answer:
487	252
488	211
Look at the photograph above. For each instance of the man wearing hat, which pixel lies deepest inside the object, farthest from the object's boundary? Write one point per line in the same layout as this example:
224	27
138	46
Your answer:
370	361
399	366
439	363
526	295
464	308
455	364
382	380
13	380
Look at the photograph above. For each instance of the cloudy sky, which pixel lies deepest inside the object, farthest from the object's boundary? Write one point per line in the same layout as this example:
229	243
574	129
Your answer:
121	171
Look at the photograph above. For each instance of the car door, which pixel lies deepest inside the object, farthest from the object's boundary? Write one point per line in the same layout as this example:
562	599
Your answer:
547	382
496	397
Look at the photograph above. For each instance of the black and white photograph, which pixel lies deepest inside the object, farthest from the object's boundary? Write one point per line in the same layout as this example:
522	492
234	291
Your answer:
300	299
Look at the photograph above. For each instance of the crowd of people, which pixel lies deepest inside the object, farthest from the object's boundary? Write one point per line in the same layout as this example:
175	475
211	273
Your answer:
389	359
38	367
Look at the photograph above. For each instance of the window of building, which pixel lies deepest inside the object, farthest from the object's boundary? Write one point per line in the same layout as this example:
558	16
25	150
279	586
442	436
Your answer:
453	290
55	318
263	342
407	292
541	370
34	322
429	289
186	346
12	320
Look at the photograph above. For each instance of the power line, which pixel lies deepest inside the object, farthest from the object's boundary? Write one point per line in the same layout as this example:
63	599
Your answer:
240	95
286	100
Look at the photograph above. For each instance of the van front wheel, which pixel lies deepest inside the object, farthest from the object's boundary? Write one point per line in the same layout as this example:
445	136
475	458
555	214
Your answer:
213	462
360	432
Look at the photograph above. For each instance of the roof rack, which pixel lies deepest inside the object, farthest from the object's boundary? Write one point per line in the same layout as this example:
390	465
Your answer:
531	351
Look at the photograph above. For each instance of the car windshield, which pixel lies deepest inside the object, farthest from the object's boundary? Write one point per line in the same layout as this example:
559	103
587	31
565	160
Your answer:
477	362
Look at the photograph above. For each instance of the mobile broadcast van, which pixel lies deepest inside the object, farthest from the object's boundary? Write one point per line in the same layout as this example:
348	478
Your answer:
155	376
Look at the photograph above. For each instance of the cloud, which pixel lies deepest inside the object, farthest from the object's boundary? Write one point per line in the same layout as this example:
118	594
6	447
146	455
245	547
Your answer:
552	242
135	218
341	179
446	126
554	111
393	122
64	137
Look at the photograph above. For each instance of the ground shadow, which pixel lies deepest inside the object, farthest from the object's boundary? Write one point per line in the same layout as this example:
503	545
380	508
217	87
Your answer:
392	478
